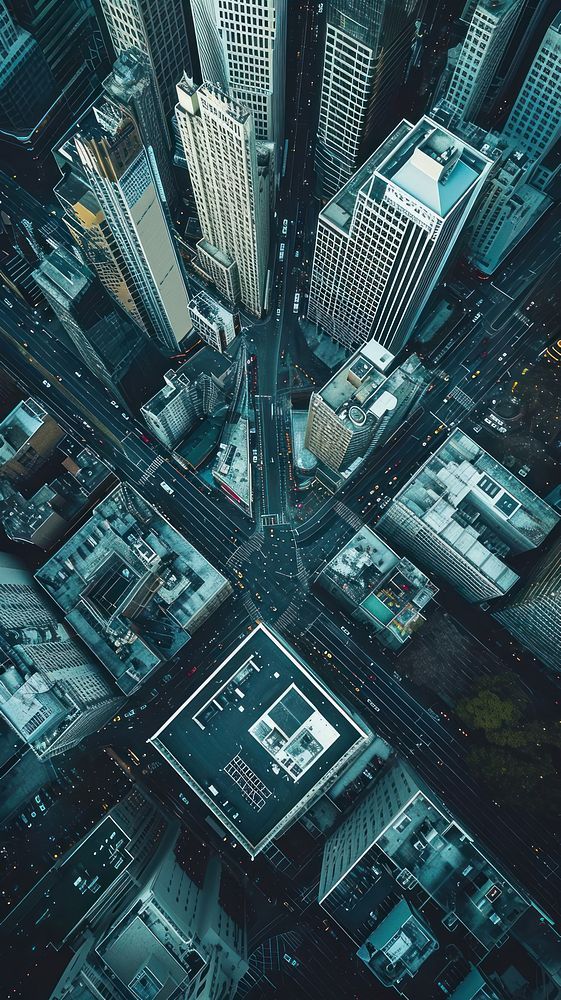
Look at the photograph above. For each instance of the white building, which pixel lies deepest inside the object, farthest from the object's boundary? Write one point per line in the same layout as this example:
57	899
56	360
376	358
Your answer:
51	693
231	186
119	172
367	47
462	515
157	28
383	241
242	50
214	324
488	35
534	123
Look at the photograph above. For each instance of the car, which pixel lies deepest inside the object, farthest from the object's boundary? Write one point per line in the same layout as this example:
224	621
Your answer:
42	807
184	798
59	378
131	712
502	357
166	678
191	671
278	313
78	374
114	403
25	344
476	374
37	799
282	248
166	488
284	227
145	438
125	416
46	384
345	630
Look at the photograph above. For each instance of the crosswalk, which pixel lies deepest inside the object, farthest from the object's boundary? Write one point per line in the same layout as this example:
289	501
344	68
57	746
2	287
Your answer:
462	398
251	607
290	617
244	552
348	515
151	469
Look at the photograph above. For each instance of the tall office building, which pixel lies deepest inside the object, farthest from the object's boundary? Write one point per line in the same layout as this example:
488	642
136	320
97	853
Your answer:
490	28
51	693
533	613
106	338
367	47
27	85
118	171
158	29
190	393
463	515
151	928
242	50
65	63
534	123
230	179
383	241
131	87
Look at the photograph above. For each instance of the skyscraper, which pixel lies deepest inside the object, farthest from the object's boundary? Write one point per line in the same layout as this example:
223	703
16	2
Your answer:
242	50
27	85
65	60
490	28
131	87
51	692
384	239
533	613
230	179
157	28
104	335
463	515
534	123
367	47
118	171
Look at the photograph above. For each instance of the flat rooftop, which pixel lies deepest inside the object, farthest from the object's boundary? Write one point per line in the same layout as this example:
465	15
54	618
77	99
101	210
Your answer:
19	426
260	739
424	161
426	843
354	387
75	884
131	586
210	309
462	476
367	573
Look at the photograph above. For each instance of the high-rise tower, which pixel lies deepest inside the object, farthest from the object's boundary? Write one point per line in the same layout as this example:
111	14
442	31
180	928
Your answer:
131	87
367	48
242	49
490	28
157	28
534	123
533	613
230	179
118	170
384	239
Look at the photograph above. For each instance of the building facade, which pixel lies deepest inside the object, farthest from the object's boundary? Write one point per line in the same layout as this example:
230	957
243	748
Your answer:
27	85
534	123
533	613
158	29
119	172
462	515
130	86
367	48
215	325
242	51
106	338
51	692
359	408
156	922
187	396
384	240
230	180
488	35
